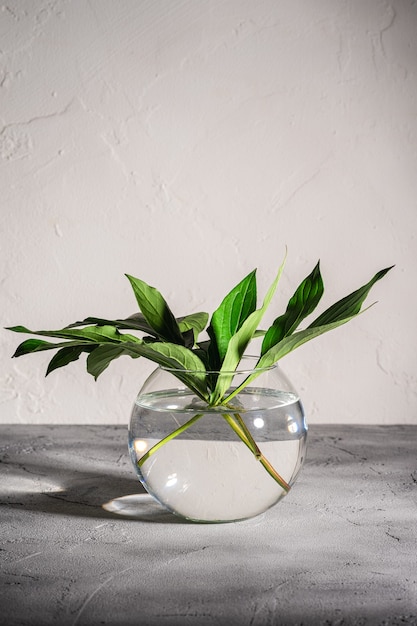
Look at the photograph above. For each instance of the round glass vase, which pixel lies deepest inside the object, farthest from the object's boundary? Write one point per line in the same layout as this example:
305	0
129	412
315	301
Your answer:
224	463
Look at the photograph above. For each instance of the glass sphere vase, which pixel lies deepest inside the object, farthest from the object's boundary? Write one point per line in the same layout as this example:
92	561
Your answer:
223	463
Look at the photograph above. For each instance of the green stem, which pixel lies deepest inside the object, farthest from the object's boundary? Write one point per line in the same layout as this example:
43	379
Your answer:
165	440
239	427
241	422
242	385
242	431
273	472
239	431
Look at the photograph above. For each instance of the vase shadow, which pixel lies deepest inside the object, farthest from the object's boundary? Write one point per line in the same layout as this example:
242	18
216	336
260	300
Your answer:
42	486
140	506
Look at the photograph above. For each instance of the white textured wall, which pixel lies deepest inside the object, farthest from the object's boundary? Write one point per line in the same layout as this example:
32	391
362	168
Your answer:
187	142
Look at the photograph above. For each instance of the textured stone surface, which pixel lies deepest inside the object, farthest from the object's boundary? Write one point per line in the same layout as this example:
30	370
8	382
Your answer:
339	550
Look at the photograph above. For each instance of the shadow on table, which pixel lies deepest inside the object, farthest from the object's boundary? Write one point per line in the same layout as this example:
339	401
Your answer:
66	488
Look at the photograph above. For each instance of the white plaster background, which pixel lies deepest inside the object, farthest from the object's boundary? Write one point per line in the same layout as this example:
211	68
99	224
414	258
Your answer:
187	142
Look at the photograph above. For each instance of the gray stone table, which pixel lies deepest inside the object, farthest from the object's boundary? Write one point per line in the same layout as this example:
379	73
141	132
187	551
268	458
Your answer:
340	549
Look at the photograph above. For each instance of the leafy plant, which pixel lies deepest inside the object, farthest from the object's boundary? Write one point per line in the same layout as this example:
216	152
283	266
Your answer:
207	367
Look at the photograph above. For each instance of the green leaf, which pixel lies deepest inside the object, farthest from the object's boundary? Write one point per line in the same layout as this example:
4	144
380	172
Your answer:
284	347
234	324
350	305
235	308
302	303
340	313
18	329
97	334
187	365
188	338
195	322
68	351
64	356
32	345
191	326
134	322
103	340
156	311
38	345
100	358
239	342
290	343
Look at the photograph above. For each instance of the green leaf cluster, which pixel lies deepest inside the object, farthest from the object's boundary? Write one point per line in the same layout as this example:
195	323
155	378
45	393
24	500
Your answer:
206	366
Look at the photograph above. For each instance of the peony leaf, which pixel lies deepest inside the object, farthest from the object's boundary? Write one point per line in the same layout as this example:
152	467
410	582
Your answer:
195	322
239	342
302	303
290	343
64	356
234	309
350	305
100	358
187	365
134	322
33	345
98	334
38	345
156	311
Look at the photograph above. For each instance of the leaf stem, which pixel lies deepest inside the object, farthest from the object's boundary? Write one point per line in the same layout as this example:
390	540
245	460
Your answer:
165	440
242	385
238	425
256	450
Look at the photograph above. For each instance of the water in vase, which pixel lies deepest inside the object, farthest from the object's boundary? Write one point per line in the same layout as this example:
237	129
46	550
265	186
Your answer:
207	473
